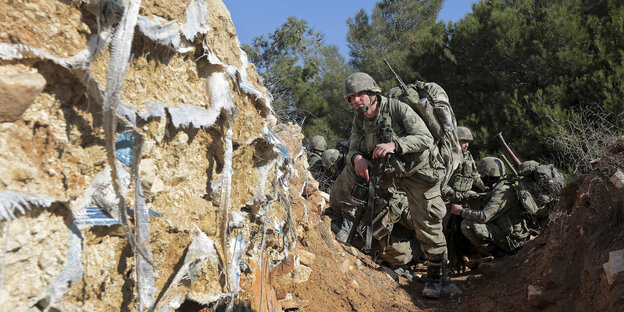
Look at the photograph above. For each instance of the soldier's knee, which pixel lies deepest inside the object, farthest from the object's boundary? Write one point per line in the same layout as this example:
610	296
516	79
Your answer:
466	228
481	231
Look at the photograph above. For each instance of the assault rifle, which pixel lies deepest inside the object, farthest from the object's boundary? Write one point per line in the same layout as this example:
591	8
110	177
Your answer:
457	243
364	215
402	84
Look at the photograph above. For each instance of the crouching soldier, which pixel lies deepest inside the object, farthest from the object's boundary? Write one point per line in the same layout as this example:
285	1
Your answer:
500	227
465	178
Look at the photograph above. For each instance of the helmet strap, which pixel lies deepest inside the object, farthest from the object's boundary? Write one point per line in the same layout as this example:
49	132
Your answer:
373	99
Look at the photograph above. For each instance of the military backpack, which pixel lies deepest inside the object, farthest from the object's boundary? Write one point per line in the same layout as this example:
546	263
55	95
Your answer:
538	187
435	110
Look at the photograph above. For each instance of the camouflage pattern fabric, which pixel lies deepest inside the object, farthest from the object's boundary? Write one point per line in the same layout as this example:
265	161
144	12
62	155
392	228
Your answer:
316	163
464	178
413	141
499	224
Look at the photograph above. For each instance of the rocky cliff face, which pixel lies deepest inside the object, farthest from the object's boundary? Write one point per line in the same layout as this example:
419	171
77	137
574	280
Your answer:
160	91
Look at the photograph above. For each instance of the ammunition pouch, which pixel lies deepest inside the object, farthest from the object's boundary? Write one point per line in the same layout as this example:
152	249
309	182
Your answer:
526	198
384	221
359	193
461	183
429	172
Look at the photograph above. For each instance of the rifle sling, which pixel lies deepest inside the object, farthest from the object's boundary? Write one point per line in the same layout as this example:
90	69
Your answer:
368	220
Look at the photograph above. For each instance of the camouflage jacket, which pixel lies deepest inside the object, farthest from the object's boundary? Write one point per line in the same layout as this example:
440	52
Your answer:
314	160
465	178
411	135
502	208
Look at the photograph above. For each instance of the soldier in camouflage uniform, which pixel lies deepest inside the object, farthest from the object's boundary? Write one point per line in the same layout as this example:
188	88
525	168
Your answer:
465	177
342	145
500	227
315	151
418	172
333	161
317	169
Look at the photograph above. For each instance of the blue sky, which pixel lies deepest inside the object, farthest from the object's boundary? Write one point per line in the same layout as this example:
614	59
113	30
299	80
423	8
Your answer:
256	17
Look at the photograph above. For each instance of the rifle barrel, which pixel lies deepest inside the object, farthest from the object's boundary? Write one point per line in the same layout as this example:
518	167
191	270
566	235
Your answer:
402	84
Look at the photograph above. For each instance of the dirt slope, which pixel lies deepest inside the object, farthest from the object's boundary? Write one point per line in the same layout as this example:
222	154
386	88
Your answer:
234	217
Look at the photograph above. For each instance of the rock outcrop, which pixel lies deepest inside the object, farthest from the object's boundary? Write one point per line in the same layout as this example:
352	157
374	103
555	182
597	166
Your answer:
160	91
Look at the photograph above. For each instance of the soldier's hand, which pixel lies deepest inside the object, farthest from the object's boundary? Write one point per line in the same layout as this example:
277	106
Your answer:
361	166
382	149
456	209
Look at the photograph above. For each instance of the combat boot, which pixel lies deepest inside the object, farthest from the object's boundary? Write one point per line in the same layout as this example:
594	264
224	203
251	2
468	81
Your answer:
432	282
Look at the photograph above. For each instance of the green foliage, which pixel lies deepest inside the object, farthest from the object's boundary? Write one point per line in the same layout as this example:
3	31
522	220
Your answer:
305	78
388	33
525	67
548	74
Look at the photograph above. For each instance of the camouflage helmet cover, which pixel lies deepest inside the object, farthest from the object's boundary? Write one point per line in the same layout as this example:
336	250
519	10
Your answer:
491	167
464	134
318	143
329	157
528	167
358	82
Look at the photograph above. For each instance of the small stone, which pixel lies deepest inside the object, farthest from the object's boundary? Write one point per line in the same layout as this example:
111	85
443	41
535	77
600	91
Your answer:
618	179
147	169
613	269
29	14
301	274
17	93
306	257
536	297
344	268
157	187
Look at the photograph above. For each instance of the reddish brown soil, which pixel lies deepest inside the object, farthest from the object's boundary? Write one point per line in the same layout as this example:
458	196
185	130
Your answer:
565	262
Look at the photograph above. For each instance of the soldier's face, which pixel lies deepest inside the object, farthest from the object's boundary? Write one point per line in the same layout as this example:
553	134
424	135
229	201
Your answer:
359	99
362	103
464	145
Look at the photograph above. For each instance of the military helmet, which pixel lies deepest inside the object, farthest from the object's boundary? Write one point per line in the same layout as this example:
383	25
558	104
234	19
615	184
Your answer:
329	157
358	82
491	167
527	167
342	144
464	134
318	143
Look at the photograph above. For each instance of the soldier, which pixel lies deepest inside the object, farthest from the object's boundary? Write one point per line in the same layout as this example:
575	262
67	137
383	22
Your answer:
464	179
500	227
317	169
417	171
342	145
334	161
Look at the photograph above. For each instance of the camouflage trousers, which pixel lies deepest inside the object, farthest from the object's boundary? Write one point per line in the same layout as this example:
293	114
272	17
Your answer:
426	210
487	236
